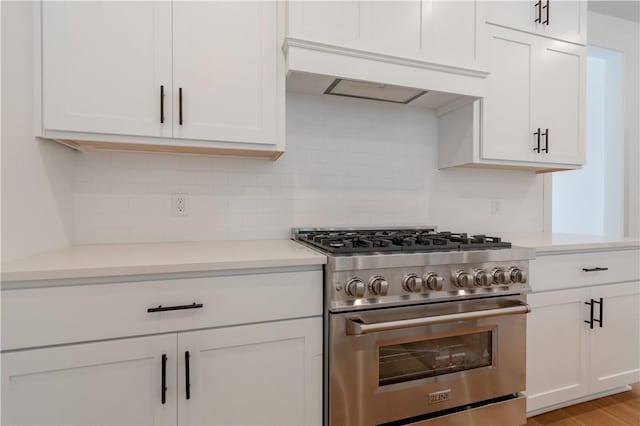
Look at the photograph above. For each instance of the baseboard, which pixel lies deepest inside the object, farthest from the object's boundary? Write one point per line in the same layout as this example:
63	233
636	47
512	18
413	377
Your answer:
578	400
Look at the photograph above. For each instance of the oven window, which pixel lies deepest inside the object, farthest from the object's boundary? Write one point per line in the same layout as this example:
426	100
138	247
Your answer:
428	358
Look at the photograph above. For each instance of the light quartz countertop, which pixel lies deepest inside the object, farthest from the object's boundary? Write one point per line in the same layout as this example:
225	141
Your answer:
109	260
545	242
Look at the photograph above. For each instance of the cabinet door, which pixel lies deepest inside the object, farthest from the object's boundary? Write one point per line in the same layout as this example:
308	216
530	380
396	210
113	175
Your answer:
567	19
519	14
103	67
560	85
117	382
224	61
450	31
557	348
391	26
506	110
615	343
264	374
334	22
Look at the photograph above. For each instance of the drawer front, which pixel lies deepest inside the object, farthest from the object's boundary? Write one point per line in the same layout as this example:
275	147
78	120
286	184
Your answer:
54	315
558	271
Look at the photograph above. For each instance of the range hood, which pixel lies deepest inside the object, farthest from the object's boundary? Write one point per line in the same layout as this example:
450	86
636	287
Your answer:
319	68
373	91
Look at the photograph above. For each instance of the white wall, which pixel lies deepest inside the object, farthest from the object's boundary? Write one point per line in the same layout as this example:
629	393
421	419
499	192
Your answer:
348	163
624	36
37	176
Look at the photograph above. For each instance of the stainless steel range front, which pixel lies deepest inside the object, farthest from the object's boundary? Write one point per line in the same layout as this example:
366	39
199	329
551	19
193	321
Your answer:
422	327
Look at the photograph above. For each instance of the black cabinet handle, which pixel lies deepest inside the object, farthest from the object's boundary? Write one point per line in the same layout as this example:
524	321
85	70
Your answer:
161	104
187	377
539	6
546	6
546	141
161	308
537	148
180	104
590	322
600	303
163	398
595	269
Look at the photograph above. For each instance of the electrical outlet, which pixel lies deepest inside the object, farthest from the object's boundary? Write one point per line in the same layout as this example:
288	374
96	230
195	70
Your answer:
496	206
179	204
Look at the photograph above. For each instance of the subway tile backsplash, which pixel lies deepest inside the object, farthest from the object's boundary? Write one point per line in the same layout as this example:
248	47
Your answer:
347	163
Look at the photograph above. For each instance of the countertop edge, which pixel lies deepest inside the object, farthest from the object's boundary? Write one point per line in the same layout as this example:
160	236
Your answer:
142	270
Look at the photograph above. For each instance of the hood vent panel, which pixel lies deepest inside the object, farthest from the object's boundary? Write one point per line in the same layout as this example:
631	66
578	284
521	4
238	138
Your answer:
373	91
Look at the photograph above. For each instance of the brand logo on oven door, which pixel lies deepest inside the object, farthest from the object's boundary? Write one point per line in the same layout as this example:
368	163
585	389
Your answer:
440	396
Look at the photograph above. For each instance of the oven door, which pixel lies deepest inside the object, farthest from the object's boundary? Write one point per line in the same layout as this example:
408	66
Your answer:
392	364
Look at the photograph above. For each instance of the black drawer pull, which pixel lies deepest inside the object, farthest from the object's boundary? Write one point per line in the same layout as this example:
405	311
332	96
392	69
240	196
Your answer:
161	104
539	6
590	322
596	269
546	21
161	308
163	397
180	105
187	375
537	134
599	321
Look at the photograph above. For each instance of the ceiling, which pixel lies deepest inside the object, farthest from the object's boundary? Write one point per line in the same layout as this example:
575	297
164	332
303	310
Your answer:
628	9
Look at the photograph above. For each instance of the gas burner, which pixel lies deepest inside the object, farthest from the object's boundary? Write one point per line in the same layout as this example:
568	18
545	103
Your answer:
394	240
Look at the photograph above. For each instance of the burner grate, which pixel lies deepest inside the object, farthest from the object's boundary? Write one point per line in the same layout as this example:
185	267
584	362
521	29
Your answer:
403	240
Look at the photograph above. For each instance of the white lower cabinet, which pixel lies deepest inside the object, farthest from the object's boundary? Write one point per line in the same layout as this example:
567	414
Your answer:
268	373
557	348
116	382
566	358
615	342
264	374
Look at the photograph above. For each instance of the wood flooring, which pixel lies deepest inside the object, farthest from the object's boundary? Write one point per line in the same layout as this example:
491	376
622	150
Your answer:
621	409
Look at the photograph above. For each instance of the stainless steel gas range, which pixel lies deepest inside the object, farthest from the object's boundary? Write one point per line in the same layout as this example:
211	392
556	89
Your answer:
422	327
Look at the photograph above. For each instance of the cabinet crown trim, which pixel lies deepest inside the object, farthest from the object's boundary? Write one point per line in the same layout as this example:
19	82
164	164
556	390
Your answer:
380	57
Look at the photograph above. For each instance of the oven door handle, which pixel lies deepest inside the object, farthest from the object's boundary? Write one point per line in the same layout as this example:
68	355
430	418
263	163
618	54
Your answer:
354	327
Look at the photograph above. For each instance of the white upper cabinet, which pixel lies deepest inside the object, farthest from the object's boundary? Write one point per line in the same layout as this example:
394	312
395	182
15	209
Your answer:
431	45
534	113
103	67
224	65
450	31
560	19
430	30
559	111
197	77
506	110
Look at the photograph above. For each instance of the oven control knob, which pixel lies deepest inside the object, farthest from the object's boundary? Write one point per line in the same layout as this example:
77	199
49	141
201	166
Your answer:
518	275
378	286
483	279
355	287
500	277
412	282
464	279
433	281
